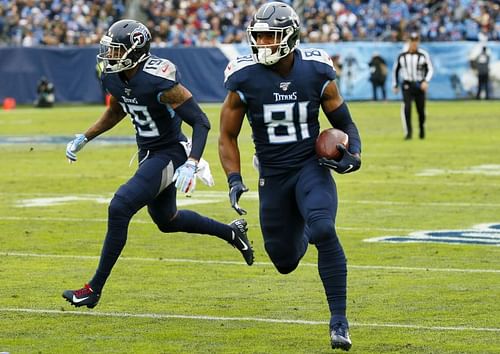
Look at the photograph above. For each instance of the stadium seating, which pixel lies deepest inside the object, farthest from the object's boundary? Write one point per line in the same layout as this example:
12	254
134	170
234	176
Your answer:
207	23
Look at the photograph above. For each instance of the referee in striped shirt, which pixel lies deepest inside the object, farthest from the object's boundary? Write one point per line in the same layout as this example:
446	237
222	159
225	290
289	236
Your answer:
414	68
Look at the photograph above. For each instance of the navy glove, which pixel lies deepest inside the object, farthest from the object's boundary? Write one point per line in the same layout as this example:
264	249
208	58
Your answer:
236	189
74	146
348	163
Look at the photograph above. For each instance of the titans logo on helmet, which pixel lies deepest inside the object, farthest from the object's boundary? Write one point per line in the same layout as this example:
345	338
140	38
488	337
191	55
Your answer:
140	36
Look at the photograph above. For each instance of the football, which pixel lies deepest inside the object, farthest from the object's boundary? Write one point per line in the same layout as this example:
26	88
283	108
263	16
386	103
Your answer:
327	141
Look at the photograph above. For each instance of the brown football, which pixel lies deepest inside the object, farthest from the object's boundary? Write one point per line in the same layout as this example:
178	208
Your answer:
327	141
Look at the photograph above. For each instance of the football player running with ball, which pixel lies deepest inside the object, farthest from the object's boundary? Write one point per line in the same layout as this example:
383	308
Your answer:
281	88
147	87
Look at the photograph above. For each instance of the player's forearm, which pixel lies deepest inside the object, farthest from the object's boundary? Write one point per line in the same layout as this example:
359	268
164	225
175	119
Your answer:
198	141
107	121
229	155
340	118
191	113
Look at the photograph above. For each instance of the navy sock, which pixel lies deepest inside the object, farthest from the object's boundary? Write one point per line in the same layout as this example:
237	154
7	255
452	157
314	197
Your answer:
192	222
332	268
116	237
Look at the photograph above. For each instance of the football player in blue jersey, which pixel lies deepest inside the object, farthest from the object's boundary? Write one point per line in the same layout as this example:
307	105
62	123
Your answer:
147	88
281	88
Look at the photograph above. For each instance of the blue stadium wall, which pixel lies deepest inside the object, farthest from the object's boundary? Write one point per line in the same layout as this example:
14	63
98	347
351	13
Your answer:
72	70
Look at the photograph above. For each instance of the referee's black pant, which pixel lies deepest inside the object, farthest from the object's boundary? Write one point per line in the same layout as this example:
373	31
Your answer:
412	91
483	83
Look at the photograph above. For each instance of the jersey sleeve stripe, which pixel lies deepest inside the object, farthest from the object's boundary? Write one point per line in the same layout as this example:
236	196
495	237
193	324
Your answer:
324	87
242	96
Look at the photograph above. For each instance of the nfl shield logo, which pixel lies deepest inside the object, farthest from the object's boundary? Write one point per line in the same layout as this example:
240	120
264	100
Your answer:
284	85
128	91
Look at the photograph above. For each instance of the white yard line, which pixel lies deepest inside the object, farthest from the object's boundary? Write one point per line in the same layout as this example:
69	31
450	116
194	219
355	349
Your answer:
161	316
419	182
433	204
200	261
253	195
141	221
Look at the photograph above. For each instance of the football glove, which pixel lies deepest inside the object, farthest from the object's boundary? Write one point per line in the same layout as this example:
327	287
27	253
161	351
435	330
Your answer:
348	163
185	176
74	146
236	189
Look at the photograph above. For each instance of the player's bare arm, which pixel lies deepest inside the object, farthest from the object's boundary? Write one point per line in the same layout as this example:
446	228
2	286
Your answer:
231	119
331	99
176	96
111	117
108	120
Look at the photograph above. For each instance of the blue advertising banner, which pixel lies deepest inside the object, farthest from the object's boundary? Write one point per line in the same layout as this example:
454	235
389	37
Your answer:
72	70
454	77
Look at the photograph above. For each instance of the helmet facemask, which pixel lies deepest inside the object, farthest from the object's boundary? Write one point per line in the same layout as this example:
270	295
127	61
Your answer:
286	39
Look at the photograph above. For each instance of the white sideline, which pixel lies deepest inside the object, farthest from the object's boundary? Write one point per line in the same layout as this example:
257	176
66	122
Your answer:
243	319
200	261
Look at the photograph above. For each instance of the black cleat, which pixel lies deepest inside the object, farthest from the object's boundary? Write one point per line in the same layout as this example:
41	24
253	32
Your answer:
339	334
82	297
240	239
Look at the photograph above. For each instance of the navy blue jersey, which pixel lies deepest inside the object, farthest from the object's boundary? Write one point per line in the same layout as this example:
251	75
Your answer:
156	123
282	111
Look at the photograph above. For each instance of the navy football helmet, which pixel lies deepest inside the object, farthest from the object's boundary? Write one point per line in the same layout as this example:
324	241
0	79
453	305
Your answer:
125	45
277	18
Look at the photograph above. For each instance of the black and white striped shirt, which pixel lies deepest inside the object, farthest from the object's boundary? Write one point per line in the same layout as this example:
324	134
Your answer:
412	67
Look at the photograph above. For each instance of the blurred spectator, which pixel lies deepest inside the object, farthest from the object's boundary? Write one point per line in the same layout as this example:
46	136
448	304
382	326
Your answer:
56	22
351	70
378	75
204	22
337	64
45	91
456	85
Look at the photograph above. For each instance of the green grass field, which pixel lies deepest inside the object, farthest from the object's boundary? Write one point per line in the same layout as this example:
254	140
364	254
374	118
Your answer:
179	293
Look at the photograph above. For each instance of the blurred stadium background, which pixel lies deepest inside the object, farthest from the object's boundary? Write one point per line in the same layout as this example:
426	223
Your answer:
57	39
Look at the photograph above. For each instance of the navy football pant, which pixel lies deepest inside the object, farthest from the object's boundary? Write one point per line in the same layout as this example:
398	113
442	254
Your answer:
151	185
298	208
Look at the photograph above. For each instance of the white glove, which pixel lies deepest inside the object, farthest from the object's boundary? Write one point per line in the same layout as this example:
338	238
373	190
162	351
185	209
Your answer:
202	169
74	146
185	176
204	174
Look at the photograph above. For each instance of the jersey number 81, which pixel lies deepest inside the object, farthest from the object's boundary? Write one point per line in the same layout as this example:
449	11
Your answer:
287	122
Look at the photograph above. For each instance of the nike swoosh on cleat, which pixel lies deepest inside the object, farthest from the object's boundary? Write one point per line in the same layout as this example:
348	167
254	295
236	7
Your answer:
77	300
245	246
